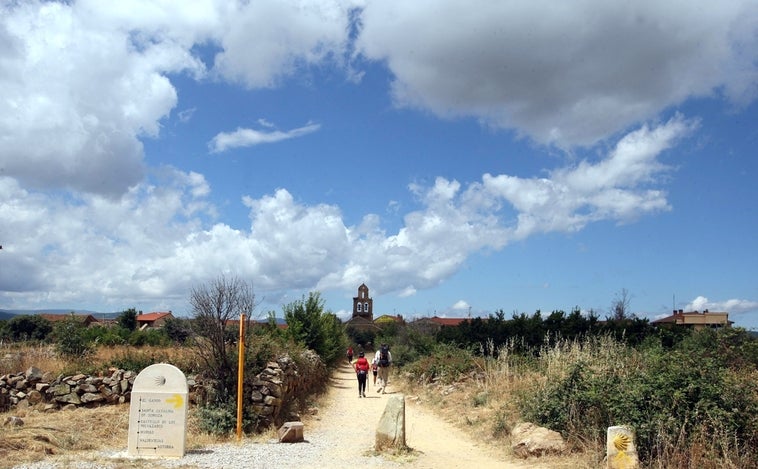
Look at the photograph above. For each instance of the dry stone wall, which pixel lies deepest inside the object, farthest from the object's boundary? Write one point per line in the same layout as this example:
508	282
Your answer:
34	388
282	381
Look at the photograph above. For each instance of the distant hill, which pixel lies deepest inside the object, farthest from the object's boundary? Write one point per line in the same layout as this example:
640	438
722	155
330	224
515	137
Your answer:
6	314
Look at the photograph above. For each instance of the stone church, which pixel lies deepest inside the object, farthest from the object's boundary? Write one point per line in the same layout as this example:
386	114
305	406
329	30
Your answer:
363	310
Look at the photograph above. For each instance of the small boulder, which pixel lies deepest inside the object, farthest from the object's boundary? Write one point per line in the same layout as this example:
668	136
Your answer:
528	439
34	375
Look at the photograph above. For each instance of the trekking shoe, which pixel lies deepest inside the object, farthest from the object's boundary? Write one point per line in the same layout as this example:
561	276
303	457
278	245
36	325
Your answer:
379	390
364	394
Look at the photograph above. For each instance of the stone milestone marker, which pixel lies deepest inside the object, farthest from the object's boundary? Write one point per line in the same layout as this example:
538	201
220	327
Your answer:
158	412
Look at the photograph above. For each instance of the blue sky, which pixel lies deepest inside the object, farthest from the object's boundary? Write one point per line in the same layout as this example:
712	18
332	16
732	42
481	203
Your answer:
457	157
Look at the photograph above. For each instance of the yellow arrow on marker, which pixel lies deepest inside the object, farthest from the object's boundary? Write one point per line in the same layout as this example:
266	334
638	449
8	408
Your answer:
177	400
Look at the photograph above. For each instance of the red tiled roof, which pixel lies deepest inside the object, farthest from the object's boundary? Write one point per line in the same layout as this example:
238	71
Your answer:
62	317
151	317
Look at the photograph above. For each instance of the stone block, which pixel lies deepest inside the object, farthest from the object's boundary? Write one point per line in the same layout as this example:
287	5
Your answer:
621	452
34	375
61	389
88	397
391	430
291	432
87	388
158	412
34	397
72	398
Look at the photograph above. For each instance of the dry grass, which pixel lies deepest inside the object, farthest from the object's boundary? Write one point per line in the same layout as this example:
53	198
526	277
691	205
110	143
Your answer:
15	358
56	434
83	434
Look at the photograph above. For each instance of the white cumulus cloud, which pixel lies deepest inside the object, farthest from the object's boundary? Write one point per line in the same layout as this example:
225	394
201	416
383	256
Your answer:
732	306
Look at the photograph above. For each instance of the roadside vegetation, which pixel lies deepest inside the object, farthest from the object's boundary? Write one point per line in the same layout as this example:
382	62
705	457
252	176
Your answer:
690	397
692	401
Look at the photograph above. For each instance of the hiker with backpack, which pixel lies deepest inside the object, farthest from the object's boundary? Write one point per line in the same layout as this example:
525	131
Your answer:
383	359
361	371
350	355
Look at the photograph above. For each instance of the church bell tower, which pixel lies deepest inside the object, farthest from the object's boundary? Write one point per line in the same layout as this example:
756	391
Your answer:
363	306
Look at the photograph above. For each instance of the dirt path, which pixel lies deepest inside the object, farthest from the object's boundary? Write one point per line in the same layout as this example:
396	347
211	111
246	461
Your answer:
435	443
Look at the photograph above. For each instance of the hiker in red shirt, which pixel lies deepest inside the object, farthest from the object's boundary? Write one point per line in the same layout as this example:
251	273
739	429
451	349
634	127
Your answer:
350	355
361	370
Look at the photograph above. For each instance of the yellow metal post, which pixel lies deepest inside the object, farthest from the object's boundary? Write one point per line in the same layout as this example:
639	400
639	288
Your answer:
240	376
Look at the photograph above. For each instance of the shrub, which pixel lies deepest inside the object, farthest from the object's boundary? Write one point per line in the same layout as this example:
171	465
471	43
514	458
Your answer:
672	399
137	360
153	337
107	336
71	338
445	364
217	418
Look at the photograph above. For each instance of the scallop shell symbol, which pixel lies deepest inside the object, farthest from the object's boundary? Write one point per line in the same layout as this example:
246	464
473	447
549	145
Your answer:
159	380
621	442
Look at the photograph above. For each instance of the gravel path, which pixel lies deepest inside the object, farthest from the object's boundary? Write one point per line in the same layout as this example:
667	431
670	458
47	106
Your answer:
342	435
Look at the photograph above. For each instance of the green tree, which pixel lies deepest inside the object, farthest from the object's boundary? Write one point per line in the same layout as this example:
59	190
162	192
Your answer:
27	327
177	329
320	331
128	319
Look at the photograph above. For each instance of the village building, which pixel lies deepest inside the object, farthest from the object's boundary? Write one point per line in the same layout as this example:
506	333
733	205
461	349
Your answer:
434	324
695	319
86	319
152	320
389	319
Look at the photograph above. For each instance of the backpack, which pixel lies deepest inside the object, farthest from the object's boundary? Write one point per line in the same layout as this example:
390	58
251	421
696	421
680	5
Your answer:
384	356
